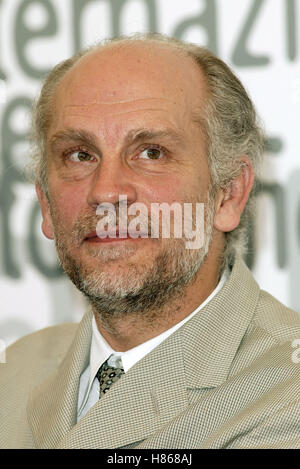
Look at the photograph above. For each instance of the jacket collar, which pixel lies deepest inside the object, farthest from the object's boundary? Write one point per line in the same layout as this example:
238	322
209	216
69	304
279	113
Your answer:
155	389
214	336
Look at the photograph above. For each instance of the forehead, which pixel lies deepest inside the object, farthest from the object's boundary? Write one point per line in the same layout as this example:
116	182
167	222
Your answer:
133	74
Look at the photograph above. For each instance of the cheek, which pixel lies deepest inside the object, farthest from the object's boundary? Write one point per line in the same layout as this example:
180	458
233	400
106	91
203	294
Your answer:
162	189
177	189
67	206
162	193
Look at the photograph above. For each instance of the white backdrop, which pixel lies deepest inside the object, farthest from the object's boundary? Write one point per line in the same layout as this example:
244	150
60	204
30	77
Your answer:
259	39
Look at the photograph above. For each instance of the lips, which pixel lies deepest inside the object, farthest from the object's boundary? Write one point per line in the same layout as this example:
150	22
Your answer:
112	236
108	234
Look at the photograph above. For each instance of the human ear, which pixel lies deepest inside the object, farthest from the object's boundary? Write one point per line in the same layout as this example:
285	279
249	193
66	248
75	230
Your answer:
47	227
231	201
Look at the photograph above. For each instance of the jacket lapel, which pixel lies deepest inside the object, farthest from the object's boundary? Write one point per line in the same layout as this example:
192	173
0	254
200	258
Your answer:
52	408
145	399
214	335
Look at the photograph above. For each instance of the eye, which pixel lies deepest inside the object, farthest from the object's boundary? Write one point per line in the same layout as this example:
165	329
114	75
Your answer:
79	156
152	153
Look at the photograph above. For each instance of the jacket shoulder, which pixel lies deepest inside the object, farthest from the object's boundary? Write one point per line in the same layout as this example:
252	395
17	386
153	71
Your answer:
269	337
44	348
276	319
29	361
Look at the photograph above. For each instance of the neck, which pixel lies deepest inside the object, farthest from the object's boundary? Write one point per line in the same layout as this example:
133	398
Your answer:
127	331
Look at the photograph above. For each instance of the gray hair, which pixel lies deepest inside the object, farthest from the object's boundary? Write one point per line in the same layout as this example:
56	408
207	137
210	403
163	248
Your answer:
229	121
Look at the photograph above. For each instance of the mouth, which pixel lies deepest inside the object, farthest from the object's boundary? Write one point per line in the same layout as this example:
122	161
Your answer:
113	237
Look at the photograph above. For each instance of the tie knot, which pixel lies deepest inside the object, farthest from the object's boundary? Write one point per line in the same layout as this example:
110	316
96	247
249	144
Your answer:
107	375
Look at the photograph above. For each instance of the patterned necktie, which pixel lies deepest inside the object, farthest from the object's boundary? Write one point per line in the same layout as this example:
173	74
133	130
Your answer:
107	376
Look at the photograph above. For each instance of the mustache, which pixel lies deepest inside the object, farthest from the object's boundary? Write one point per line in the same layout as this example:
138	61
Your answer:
87	224
113	221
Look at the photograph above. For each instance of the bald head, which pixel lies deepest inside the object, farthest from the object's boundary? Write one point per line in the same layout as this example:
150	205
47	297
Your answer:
130	72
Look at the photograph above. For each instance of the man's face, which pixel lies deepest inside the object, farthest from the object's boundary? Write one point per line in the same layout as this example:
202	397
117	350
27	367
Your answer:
124	123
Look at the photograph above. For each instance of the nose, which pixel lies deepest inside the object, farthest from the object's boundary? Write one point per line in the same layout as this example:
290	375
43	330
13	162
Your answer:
111	180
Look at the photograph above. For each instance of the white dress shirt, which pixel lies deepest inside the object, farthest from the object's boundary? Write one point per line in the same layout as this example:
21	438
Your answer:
101	351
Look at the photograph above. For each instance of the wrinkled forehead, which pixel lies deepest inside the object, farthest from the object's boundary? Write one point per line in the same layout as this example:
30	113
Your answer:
127	73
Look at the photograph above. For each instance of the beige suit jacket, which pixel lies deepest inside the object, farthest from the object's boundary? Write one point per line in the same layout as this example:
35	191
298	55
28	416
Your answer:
225	379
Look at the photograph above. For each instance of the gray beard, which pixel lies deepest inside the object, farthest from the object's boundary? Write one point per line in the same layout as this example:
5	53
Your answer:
144	291
165	280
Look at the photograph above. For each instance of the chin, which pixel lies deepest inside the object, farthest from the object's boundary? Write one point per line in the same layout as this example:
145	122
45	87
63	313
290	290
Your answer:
107	283
112	253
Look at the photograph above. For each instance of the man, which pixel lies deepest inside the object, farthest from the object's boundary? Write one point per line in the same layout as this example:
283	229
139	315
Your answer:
180	348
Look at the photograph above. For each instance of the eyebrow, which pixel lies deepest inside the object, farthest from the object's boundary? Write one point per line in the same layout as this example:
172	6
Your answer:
133	137
75	135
